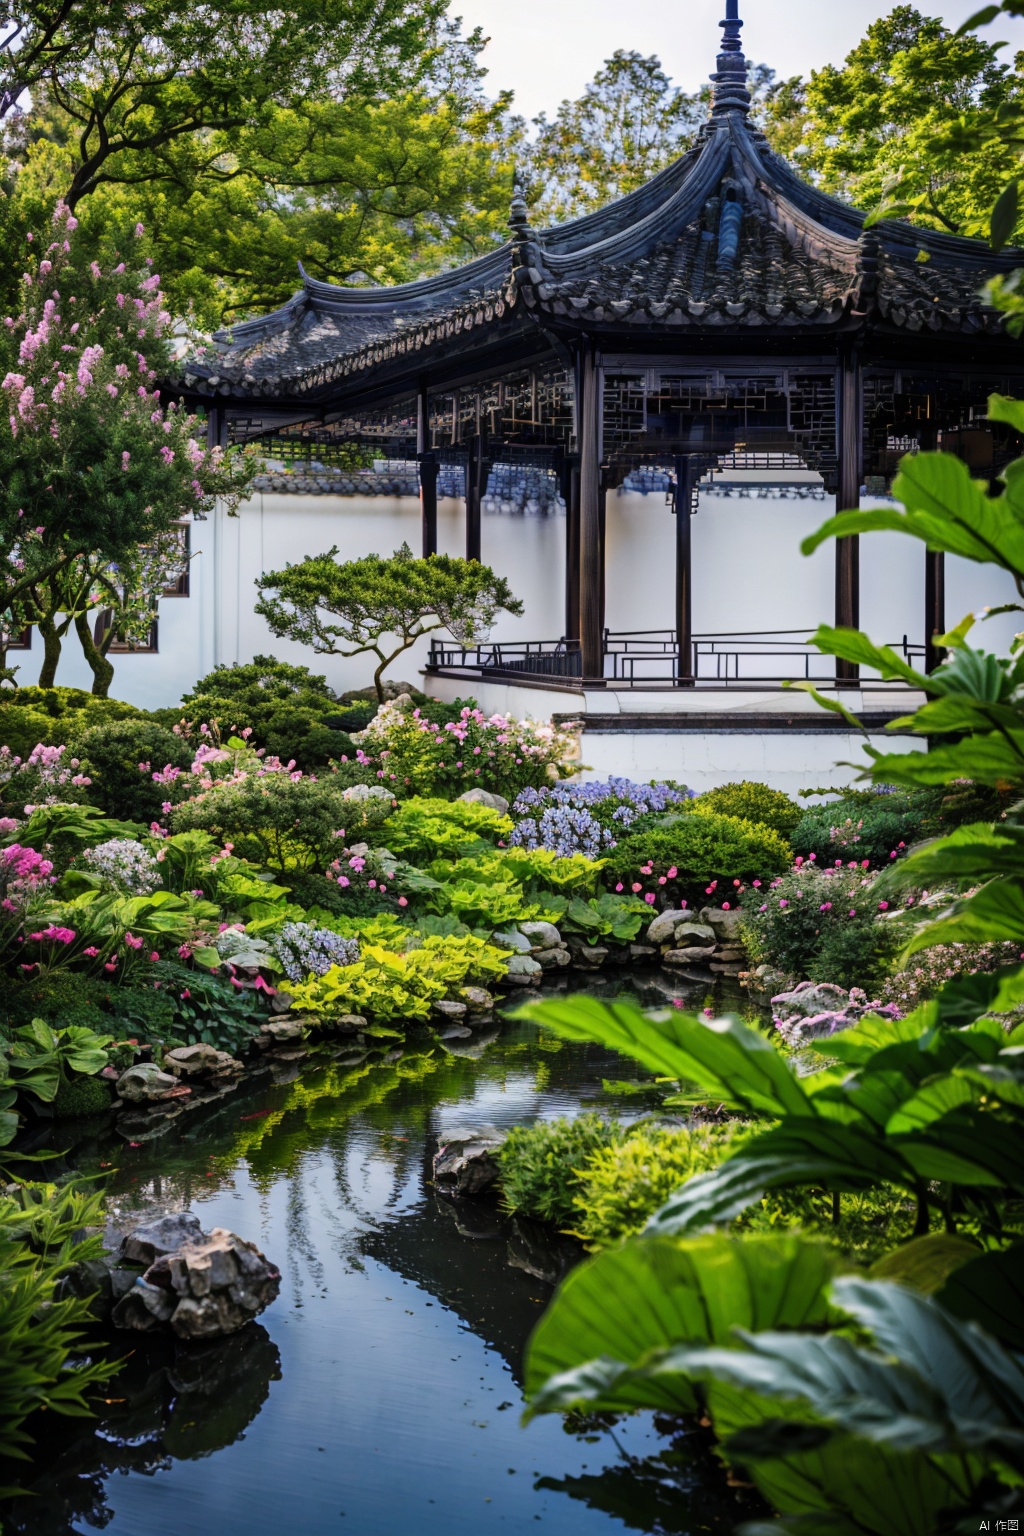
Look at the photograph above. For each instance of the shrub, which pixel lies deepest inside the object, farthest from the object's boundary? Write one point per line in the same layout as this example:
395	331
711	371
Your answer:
56	716
388	985
753	802
81	1096
207	1009
290	711
587	818
543	1166
280	820
930	970
822	925
423	829
417	756
45	776
121	758
625	1182
678	862
864	825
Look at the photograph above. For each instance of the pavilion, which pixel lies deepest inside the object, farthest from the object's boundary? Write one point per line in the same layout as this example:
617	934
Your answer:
727	315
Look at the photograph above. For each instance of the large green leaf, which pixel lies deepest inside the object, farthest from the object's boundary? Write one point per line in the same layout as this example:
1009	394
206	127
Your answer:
737	1064
925	1263
967	1146
967	997
994	915
995	759
853	645
989	1291
653	1293
977	851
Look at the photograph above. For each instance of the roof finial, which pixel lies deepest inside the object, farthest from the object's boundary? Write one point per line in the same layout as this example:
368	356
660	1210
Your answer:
730	80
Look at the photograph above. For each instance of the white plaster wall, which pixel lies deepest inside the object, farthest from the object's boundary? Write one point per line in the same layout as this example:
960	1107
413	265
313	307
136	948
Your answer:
790	761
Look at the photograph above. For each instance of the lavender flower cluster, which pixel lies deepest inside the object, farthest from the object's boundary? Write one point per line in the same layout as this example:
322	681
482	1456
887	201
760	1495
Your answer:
304	950
124	866
586	818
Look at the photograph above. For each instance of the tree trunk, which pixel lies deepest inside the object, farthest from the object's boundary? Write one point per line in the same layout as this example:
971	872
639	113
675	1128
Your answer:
51	652
102	669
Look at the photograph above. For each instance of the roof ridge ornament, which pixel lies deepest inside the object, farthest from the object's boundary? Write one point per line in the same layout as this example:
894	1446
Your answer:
730	79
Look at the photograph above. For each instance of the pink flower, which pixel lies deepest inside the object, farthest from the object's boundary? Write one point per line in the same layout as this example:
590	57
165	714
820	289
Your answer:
883	906
154	955
637	887
757	885
92	951
132	941
650	898
343	881
662	880
111	965
403	901
726	906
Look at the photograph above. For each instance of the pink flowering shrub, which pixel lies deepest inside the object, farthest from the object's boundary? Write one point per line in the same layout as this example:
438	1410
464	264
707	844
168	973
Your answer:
929	970
47	776
25	877
404	750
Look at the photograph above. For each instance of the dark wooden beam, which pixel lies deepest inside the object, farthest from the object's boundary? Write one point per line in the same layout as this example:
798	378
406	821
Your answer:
476	474
849	440
428	502
570	478
934	607
591	552
687	474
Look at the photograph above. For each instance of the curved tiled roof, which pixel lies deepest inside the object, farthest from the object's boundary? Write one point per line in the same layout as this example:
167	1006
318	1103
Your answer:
728	237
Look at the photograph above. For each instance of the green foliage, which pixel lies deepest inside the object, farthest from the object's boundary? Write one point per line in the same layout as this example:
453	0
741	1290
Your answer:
381	606
624	1183
55	716
748	801
113	754
619	918
81	1096
424	829
824	924
700	849
41	1366
283	822
290	711
39	1058
387	985
861	827
208	1010
544	1166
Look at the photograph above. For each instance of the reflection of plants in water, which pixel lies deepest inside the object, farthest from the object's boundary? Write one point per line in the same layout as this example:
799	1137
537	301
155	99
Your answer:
184	1401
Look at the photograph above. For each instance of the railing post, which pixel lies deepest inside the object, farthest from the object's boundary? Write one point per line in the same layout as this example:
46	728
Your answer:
685	483
849	438
591	551
934	607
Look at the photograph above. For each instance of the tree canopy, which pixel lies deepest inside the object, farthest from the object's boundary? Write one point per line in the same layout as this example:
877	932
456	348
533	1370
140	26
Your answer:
381	606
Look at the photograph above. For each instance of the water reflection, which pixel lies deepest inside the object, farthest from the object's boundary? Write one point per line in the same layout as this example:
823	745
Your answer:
382	1395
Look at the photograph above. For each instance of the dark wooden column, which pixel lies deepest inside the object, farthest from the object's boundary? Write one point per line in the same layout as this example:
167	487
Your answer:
591	553
849	437
475	477
570	478
934	607
429	466
686	478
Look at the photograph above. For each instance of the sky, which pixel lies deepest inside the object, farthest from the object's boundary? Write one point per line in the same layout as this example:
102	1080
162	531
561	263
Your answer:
546	50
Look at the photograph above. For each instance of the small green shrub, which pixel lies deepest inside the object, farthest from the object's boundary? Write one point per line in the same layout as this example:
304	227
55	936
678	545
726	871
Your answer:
857	953
113	756
679	861
208	1010
56	716
625	1182
544	1166
387	985
752	802
424	829
822	925
282	822
81	1096
864	826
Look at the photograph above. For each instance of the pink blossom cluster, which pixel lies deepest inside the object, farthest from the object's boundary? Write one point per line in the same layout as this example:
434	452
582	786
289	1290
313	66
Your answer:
24	874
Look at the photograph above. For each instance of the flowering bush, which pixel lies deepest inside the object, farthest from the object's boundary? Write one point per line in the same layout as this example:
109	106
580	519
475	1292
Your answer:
130	764
47	776
124	866
418	756
587	818
25	875
862	826
305	950
825	925
678	865
931	969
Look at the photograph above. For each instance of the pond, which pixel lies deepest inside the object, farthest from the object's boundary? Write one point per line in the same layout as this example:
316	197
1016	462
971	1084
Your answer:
381	1393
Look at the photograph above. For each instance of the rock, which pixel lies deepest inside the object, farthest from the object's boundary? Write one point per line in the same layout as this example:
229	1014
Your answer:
478	999
200	1061
810	998
523	966
450	1010
721	969
205	1286
542	935
727	925
797	1018
465	1164
280	1031
456	1032
145	1083
662	930
512	940
693	934
363	792
152	1239
641	952
553	959
484	797
694	955
730	954
347	1024
591	956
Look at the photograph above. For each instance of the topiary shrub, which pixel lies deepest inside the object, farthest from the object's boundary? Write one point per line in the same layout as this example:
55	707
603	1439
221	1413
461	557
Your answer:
543	1166
121	759
81	1096
752	802
674	865
55	716
624	1183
